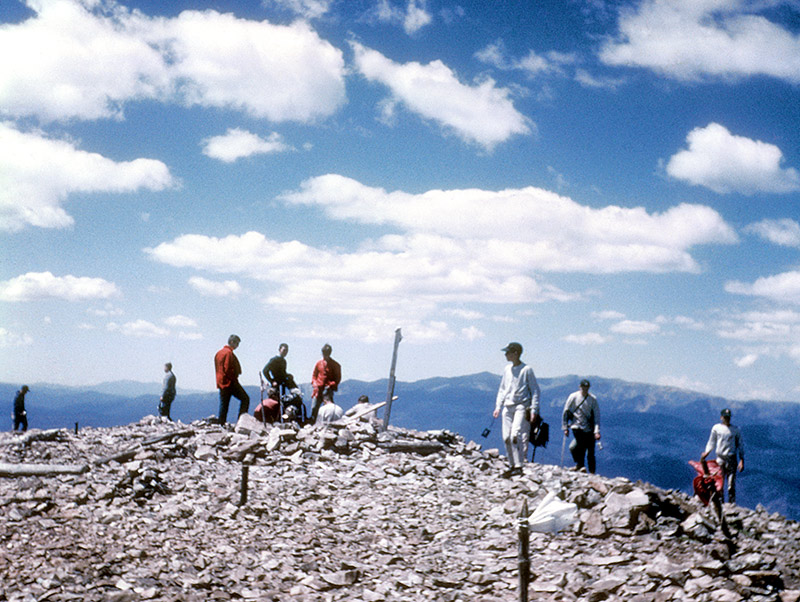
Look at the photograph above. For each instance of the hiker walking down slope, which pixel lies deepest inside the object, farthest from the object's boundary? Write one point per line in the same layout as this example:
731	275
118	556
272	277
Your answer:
325	379
228	370
518	401
726	441
168	392
582	415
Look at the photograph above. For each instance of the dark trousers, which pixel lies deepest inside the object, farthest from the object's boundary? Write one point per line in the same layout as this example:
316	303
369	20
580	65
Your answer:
322	393
583	446
235	390
21	420
164	405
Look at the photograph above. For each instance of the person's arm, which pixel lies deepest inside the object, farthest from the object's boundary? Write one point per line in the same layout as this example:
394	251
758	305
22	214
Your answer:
564	425
501	394
335	375
533	387
712	443
740	449
596	410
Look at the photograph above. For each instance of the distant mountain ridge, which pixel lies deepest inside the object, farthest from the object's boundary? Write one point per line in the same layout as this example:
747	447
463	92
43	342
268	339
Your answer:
649	431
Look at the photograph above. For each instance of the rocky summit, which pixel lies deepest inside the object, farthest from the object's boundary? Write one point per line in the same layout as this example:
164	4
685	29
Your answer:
158	511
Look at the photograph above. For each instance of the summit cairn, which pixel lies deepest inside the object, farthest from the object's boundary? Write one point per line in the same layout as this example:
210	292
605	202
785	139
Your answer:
351	512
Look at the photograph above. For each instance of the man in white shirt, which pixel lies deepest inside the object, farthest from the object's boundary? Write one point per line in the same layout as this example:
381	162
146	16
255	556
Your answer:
329	412
726	441
518	400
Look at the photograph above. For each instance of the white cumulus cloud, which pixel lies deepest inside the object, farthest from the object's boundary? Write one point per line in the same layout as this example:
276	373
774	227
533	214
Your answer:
13	339
38	174
44	285
237	143
587	338
179	321
139	329
703	39
635	327
308	9
412	17
746	360
608	314
545	228
443	251
472	333
482	113
784	287
783	232
211	288
725	163
90	58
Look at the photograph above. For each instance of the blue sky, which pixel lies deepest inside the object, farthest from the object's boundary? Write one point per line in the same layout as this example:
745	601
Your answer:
615	185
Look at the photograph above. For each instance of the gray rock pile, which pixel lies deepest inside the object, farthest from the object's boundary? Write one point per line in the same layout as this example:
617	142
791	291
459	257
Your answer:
156	511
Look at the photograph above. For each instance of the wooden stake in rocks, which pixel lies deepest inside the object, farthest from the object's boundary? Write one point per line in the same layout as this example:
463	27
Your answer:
390	393
524	560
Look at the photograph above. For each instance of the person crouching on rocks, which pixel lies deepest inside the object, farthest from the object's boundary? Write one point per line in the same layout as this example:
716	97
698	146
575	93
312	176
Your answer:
518	400
330	412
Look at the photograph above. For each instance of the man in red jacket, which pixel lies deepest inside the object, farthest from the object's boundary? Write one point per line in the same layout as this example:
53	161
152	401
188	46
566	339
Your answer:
228	370
326	378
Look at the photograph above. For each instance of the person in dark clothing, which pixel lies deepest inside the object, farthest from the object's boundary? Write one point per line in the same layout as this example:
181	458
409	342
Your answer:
582	416
168	391
20	415
275	370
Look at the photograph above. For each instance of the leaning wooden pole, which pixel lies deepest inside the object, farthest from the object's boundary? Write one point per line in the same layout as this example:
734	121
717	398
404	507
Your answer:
40	470
524	560
390	393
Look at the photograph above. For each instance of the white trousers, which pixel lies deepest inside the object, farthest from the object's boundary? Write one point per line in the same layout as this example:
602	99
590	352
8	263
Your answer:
516	431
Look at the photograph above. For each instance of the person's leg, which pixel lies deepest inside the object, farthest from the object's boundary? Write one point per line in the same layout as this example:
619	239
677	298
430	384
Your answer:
507	422
520	432
168	405
729	474
224	401
578	449
590	458
316	402
244	399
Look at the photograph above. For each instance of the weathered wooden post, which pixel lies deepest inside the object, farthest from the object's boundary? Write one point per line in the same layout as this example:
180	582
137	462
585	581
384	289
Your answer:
390	393
245	474
524	560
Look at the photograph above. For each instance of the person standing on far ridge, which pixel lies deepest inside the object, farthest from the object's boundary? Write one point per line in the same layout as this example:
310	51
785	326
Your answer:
518	401
228	370
726	440
20	415
168	392
325	379
582	415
